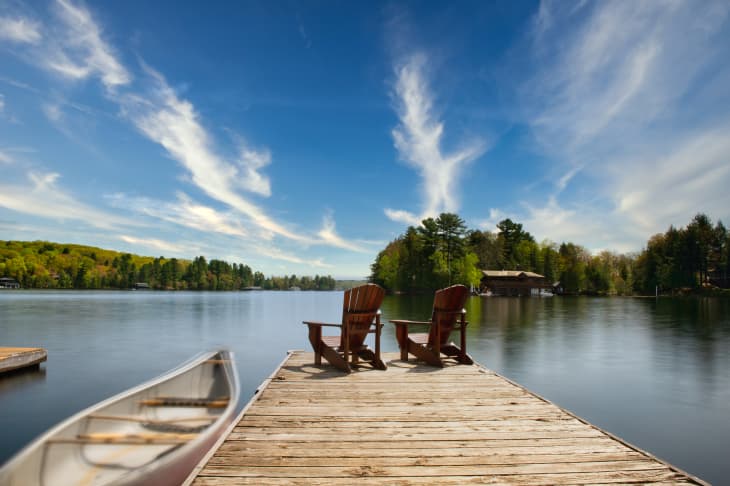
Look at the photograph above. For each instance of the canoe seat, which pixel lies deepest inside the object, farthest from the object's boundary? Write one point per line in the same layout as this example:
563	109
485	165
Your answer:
185	402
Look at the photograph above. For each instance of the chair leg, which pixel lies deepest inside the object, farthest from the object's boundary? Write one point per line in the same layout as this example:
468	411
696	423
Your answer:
315	339
401	335
378	328
463	356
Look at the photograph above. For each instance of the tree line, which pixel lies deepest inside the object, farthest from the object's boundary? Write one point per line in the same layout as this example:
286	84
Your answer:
443	251
41	264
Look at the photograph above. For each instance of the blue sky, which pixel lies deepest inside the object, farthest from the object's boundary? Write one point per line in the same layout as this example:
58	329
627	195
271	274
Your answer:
301	137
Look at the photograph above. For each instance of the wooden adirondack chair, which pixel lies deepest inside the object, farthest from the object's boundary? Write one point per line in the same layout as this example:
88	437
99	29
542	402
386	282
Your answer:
448	315
360	316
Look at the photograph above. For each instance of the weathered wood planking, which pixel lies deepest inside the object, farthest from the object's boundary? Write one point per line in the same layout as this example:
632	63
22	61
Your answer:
16	358
414	424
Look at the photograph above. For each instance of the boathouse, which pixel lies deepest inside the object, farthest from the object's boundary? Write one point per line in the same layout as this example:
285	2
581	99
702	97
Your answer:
512	282
9	283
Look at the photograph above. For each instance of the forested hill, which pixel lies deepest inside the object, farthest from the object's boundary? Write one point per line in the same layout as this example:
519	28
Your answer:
41	264
442	251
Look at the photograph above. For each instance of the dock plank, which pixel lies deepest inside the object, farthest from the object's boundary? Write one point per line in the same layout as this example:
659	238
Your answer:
414	424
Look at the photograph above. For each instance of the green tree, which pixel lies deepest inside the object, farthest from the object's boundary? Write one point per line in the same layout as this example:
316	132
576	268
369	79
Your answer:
511	234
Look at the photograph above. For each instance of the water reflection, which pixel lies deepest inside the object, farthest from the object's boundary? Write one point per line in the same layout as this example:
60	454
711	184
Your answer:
19	379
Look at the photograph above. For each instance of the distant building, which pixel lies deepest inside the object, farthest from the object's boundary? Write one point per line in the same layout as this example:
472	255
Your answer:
719	278
512	282
9	283
141	286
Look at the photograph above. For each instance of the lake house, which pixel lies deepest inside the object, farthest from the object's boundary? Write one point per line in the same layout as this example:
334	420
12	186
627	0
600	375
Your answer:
512	282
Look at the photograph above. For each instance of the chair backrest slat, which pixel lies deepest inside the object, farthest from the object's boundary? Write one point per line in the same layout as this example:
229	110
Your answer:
359	308
447	306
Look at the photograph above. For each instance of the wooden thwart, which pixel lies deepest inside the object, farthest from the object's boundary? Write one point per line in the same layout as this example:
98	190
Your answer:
145	420
460	424
185	402
126	439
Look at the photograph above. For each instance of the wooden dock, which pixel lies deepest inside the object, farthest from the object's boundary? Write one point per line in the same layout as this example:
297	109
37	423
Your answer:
414	424
16	358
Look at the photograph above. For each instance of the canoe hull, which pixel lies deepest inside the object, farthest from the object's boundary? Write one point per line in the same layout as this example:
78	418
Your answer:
154	433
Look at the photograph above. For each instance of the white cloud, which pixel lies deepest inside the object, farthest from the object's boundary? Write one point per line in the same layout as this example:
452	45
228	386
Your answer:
621	103
173	123
402	216
81	51
250	162
418	139
329	235
490	224
693	176
277	254
183	212
53	112
20	30
5	158
155	244
2	103
42	197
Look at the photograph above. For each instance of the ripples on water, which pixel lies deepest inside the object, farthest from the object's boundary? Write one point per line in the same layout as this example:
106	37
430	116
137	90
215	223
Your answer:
654	372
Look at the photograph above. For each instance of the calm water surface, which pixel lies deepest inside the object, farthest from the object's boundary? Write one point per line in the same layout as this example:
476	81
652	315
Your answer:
654	372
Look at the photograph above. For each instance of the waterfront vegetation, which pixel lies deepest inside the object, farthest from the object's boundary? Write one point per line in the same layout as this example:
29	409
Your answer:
45	265
443	251
439	252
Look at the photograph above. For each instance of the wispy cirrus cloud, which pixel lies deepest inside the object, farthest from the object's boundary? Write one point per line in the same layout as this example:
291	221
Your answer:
42	196
82	51
174	124
183	212
53	112
250	162
20	30
277	254
622	103
5	158
156	244
328	235
418	139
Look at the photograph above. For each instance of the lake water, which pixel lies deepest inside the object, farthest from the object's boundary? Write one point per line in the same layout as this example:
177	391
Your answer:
654	372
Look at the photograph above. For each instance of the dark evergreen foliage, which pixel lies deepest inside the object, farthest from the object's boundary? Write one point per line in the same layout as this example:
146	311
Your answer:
441	251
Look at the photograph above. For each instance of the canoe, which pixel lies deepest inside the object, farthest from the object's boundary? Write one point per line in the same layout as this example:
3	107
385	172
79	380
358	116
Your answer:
155	433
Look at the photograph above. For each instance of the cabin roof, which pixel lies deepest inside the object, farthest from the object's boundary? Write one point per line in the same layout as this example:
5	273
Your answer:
510	274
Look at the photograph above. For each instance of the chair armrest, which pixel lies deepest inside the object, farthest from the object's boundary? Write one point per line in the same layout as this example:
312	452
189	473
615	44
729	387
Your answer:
408	323
323	324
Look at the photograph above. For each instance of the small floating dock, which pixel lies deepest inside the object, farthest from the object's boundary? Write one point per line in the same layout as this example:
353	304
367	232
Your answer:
414	424
16	358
